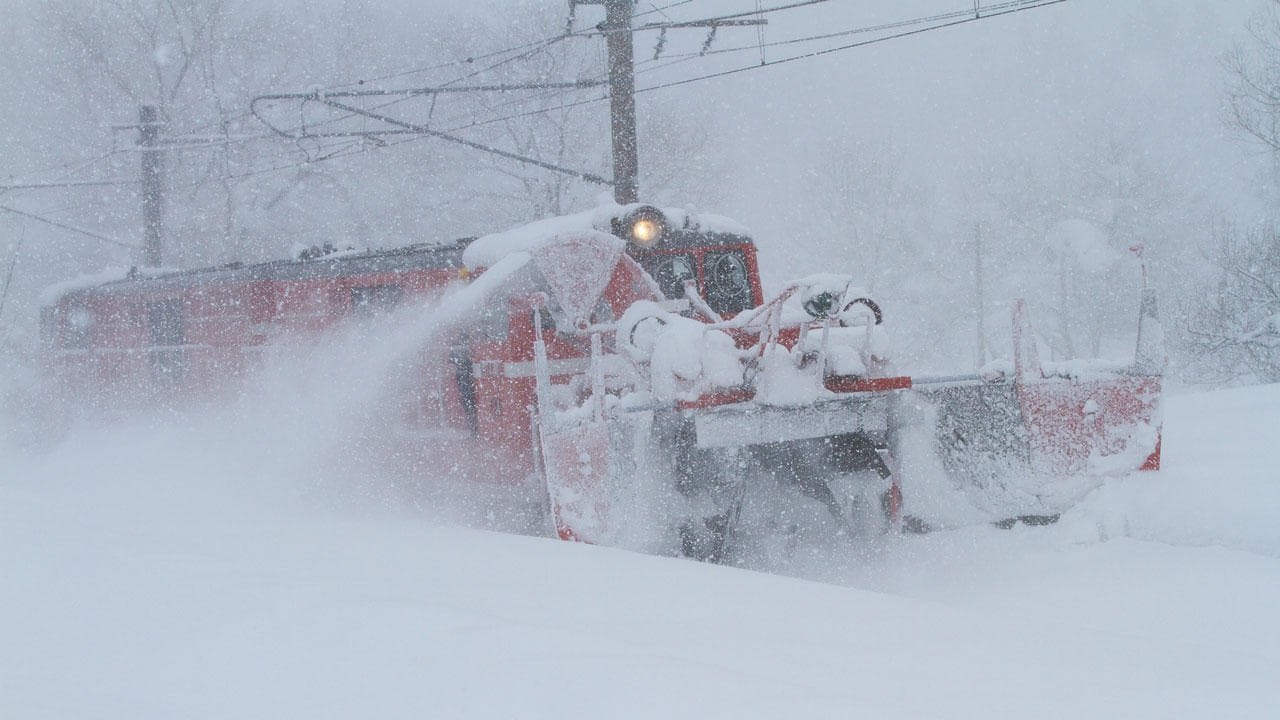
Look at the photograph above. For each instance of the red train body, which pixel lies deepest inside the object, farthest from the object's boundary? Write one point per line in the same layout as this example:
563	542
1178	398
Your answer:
623	348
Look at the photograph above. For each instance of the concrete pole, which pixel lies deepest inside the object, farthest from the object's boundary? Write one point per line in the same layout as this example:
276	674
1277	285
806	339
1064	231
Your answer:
622	100
152	186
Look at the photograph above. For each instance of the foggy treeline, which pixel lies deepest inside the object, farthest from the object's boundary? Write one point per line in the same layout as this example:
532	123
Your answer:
1022	156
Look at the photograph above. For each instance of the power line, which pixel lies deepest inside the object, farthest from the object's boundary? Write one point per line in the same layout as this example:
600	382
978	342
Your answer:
79	183
661	10
536	49
762	11
529	48
712	22
953	18
416	128
992	11
355	147
358	147
70	166
72	228
536	45
1001	9
423	130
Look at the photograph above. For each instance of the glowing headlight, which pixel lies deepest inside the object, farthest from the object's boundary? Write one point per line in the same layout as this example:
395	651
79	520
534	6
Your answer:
644	232
645	226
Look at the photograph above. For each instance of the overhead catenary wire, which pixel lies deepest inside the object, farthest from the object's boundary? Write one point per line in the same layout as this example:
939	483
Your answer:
506	61
75	183
70	166
355	147
535	44
529	48
358	147
968	15
951	20
71	228
329	99
661	10
996	9
730	19
524	49
991	11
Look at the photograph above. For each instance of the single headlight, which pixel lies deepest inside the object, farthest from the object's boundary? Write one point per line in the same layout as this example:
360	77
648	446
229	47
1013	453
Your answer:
645	232
645	226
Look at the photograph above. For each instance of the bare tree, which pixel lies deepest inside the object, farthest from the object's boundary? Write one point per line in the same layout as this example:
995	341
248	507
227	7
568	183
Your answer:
195	62
1253	87
1237	333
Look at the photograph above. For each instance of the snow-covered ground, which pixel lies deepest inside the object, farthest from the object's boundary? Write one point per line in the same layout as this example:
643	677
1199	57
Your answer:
159	571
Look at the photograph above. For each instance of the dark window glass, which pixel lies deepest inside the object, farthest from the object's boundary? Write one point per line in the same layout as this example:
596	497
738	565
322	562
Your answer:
77	322
670	272
375	298
727	288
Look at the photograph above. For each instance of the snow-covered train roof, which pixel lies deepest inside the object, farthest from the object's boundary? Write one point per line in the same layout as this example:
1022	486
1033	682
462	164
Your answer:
471	253
346	262
488	249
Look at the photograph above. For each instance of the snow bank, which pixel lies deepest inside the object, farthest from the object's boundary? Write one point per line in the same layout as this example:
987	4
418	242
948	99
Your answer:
132	606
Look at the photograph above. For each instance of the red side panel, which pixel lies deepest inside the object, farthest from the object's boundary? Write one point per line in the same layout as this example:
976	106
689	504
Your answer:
578	471
1153	460
1073	423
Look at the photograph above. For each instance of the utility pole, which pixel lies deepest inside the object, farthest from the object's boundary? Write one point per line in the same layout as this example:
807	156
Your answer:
617	28
13	262
152	186
979	294
622	99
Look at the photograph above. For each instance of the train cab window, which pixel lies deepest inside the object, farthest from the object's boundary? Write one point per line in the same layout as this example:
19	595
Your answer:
727	288
77	323
670	272
370	299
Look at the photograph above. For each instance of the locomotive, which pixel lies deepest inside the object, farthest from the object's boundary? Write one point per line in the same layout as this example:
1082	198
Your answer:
627	362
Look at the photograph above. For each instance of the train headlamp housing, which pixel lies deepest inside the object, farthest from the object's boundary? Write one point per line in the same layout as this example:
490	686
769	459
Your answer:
645	226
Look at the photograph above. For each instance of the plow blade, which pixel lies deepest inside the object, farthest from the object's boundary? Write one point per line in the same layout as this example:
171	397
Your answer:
1036	447
577	466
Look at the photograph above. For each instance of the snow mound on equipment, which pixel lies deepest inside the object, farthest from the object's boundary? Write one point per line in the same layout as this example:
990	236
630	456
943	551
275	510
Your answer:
488	249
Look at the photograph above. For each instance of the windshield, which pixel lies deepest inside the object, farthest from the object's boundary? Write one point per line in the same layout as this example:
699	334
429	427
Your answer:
670	272
725	282
727	287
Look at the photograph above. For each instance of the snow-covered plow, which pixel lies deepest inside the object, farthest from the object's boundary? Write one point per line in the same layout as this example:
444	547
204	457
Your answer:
627	362
1026	439
684	419
680	417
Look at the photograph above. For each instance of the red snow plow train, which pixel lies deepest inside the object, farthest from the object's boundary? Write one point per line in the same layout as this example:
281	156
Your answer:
627	360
